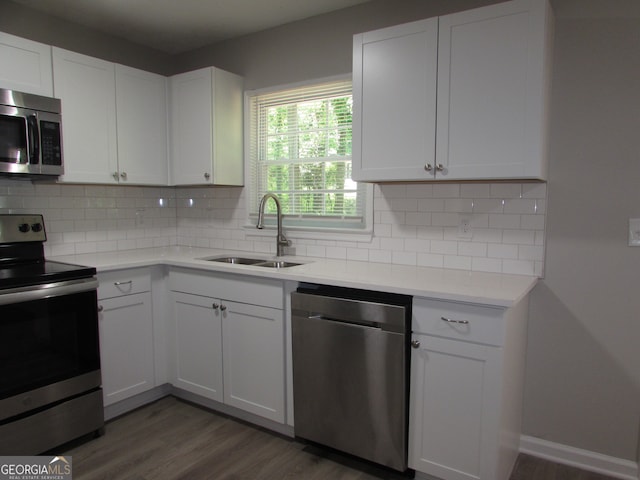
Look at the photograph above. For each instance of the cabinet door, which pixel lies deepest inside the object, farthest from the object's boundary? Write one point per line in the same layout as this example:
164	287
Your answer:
394	102
228	159
126	346
191	127
141	100
25	65
254	359
197	345
492	90
452	431
86	86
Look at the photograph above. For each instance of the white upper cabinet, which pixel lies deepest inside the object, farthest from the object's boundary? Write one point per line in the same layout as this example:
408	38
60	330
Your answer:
26	65
119	123
114	121
493	70
493	81
206	128
394	101
141	108
86	86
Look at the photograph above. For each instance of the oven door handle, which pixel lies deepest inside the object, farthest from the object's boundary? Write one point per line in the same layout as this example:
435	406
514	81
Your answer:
47	290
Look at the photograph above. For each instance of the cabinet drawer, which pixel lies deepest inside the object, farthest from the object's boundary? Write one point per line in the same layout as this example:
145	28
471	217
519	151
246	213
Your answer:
459	321
123	282
238	288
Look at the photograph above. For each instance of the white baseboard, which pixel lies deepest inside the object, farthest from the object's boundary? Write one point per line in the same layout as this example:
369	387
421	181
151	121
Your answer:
576	457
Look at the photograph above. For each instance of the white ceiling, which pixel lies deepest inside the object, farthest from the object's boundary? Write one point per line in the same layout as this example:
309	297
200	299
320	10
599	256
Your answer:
175	26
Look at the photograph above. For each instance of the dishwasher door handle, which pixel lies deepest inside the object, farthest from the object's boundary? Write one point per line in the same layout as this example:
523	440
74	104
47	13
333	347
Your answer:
389	317
358	323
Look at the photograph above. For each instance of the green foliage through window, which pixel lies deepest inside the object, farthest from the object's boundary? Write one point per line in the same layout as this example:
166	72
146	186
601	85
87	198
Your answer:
301	147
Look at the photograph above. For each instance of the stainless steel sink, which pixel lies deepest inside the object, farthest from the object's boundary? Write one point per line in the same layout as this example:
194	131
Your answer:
258	262
277	264
235	260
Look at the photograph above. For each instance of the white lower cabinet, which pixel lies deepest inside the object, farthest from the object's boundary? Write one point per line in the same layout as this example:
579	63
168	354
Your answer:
126	334
467	367
253	359
198	345
228	340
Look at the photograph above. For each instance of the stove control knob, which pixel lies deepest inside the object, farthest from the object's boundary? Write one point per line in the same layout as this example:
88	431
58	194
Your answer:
24	227
36	227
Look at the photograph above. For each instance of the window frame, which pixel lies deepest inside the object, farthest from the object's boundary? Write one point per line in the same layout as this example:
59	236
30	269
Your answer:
299	229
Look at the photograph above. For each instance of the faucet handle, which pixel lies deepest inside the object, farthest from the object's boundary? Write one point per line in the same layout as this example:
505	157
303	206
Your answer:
282	240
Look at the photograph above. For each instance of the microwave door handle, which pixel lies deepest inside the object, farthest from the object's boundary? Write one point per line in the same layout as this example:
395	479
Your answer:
34	140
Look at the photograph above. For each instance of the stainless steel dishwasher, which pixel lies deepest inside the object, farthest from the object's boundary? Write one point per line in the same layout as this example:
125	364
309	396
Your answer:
350	371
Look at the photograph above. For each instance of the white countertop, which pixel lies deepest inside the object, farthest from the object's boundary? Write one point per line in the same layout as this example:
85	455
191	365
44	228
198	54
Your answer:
458	285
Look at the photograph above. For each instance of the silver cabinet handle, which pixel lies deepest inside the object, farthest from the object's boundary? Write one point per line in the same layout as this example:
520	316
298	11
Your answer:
118	284
115	175
450	320
440	167
215	306
123	175
207	175
428	167
100	308
223	307
415	343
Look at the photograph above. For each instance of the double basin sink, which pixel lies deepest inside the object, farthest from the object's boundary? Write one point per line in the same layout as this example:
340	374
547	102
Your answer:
256	262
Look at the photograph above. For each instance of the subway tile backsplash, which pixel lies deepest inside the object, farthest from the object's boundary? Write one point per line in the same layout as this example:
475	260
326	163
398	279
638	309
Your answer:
94	218
414	224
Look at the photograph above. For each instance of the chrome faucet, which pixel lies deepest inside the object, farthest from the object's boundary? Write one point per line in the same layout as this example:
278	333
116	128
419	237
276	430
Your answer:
281	240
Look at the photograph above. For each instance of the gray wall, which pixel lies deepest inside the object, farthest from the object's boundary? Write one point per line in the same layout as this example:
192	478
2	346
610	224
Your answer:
313	48
583	357
27	23
583	375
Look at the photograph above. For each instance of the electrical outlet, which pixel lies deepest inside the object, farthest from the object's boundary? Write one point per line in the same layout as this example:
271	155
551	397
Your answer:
464	227
634	232
140	217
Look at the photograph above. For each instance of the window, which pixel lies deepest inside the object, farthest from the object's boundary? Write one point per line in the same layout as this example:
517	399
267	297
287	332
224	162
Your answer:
300	149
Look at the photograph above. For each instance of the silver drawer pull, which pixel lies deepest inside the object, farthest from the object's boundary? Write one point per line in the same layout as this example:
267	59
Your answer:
450	320
118	284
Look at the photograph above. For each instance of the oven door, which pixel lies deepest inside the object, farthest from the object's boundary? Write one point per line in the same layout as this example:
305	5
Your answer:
19	140
48	344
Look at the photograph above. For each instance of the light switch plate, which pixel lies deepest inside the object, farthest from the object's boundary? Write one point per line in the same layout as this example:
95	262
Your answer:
634	232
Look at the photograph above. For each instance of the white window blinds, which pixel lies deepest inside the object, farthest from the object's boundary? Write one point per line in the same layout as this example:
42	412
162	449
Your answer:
300	149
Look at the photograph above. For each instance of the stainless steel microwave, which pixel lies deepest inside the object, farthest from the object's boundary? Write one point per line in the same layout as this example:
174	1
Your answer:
30	134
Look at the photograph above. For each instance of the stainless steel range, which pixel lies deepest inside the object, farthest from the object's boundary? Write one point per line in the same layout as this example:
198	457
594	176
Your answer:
49	351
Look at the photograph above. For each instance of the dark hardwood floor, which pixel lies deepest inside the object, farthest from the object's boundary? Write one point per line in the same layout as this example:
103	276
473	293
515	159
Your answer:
172	439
